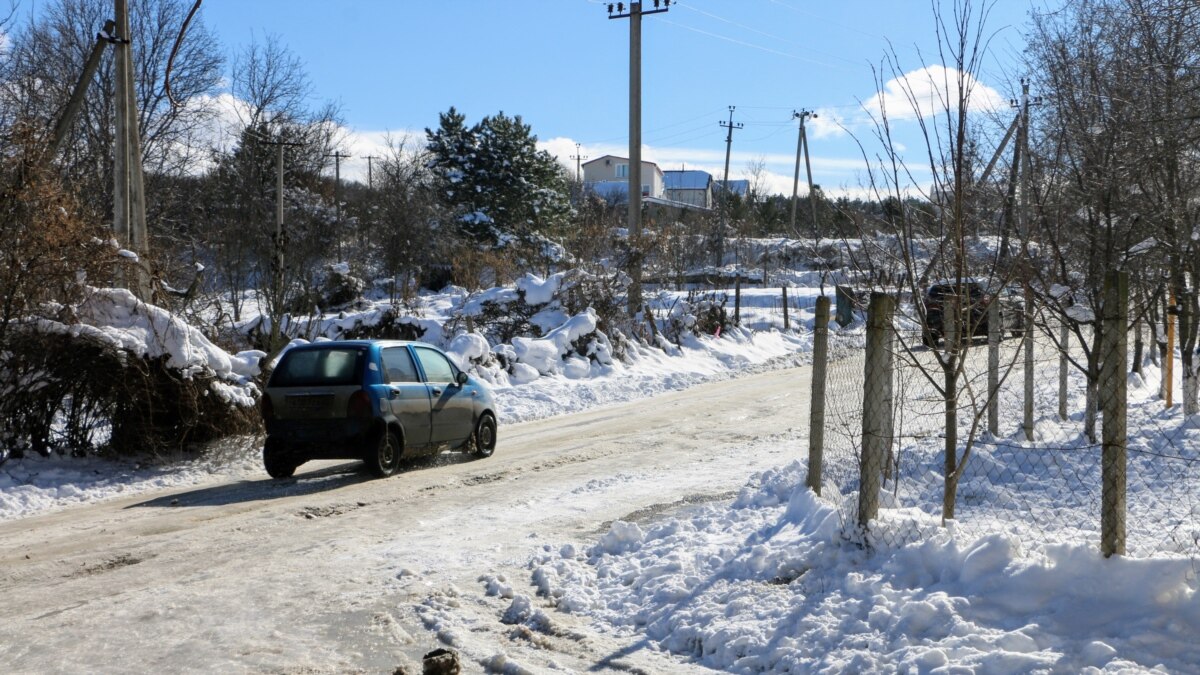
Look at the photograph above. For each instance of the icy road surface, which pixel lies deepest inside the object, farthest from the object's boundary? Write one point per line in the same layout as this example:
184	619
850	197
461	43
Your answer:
333	571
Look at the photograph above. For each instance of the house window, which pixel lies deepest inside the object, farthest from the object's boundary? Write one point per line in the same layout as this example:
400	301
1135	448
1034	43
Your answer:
645	190
622	171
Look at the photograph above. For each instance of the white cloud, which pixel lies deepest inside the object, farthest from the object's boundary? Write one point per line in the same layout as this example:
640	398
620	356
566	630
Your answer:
928	91
828	123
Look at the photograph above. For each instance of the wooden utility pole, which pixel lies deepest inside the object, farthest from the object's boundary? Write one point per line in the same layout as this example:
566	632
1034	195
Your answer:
635	140
129	200
730	126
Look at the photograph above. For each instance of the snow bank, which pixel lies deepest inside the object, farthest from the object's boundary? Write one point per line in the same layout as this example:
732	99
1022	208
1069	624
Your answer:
768	584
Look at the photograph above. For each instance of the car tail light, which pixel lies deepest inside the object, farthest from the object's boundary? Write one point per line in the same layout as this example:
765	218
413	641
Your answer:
268	408
359	405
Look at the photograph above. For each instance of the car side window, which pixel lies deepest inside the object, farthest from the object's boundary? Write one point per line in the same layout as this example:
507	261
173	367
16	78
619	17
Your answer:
398	365
437	367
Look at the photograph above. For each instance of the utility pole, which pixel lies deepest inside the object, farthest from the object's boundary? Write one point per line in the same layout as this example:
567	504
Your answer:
370	176
802	145
104	38
578	162
635	140
275	304
129	199
337	198
730	126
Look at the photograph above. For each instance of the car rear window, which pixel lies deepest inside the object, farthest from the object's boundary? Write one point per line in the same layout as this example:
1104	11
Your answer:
318	367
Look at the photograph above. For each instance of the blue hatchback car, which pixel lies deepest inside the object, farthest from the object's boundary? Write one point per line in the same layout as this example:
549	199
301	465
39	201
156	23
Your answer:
375	400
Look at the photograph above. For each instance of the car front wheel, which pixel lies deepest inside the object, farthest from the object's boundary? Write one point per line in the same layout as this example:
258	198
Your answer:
483	441
385	457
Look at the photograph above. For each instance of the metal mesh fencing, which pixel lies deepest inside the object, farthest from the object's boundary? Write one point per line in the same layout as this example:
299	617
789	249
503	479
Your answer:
1053	439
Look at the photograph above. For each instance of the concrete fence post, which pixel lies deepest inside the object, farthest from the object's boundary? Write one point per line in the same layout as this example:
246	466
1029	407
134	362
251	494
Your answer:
877	413
1114	364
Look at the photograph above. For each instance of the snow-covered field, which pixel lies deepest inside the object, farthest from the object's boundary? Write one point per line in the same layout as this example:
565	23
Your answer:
773	581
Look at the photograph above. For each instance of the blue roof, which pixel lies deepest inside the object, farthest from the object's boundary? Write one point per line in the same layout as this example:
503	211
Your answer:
737	187
686	180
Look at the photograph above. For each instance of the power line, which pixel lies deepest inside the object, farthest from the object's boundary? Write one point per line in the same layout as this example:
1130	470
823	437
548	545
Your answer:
763	33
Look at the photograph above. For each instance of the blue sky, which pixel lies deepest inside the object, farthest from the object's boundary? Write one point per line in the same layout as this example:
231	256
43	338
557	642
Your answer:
563	66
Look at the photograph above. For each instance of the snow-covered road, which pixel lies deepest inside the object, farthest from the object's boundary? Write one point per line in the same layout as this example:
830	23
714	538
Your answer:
336	572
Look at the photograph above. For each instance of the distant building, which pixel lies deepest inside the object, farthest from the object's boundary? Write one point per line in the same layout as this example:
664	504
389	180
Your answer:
689	187
740	188
608	176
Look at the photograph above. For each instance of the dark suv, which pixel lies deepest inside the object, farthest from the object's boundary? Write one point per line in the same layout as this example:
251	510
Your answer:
1012	310
375	400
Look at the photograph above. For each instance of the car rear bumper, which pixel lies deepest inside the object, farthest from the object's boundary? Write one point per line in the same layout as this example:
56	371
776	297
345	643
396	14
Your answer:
324	439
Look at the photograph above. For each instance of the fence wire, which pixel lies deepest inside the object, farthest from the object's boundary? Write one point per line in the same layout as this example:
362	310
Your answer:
1037	472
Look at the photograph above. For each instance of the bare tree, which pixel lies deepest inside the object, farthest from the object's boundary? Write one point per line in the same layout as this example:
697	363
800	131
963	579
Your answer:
47	56
926	239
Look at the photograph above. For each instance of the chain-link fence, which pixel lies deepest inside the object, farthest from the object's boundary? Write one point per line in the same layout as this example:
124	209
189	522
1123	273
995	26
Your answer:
1037	426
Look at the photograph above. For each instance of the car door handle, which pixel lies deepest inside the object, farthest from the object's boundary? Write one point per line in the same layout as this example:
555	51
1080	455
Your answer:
436	391
393	394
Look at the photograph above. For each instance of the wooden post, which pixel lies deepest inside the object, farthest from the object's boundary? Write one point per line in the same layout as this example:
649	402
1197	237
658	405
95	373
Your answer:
1114	365
876	405
995	328
845	305
820	373
649	317
1064	366
1169	363
737	299
785	308
1027	340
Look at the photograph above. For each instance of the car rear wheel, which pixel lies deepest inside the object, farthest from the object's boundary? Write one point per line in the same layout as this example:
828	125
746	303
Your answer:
385	457
483	441
276	461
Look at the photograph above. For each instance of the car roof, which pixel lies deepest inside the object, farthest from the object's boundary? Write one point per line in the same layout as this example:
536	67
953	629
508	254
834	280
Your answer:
333	344
955	282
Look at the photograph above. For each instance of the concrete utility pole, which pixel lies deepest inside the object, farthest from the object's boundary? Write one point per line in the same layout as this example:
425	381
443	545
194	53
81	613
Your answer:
730	126
370	175
802	146
337	198
63	126
635	139
129	200
578	163
277	260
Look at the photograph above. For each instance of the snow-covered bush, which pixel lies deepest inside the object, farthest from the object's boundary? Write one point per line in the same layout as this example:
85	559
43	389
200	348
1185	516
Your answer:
334	288
699	314
116	374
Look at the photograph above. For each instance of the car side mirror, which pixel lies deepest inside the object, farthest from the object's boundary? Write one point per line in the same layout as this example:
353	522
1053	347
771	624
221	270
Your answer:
462	378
